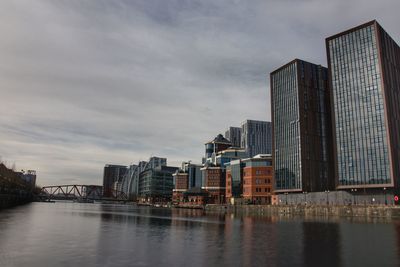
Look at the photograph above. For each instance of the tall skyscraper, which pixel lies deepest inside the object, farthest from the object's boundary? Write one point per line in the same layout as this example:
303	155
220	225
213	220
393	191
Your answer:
364	64
256	137
112	174
301	128
234	134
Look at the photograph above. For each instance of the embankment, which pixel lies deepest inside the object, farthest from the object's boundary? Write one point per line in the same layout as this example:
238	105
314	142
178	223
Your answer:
373	211
9	201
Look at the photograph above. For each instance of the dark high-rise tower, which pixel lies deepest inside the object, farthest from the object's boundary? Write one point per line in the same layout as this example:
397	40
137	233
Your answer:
301	130
364	64
112	174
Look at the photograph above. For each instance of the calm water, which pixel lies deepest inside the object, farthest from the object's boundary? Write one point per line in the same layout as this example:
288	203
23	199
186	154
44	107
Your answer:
70	234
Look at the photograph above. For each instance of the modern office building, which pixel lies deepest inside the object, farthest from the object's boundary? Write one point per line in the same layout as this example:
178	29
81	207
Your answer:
234	180
111	175
234	135
156	184
194	174
364	70
301	126
256	137
130	181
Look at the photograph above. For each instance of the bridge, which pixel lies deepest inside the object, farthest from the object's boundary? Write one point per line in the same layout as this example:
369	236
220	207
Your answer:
79	193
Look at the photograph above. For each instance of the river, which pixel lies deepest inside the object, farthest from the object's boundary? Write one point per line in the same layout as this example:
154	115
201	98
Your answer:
72	234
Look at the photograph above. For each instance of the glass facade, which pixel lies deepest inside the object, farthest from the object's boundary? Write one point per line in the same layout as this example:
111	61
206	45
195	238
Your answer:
236	168
358	101
256	137
301	125
286	130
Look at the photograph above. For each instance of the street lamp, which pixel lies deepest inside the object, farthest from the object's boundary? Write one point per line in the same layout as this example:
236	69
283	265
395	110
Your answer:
354	195
384	190
327	197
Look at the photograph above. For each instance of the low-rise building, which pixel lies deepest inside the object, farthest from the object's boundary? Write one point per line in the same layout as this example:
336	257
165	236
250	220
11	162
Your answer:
258	179
214	183
181	183
234	181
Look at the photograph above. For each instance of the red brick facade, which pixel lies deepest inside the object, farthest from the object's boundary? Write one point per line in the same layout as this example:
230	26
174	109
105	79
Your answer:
257	184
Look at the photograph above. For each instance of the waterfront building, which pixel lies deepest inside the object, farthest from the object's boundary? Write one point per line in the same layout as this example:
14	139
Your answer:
258	179
133	179
234	180
234	135
214	175
194	174
181	183
129	184
301	125
112	174
156	184
214	183
364	64
256	137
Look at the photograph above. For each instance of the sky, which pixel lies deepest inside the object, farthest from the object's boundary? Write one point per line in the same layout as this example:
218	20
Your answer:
89	83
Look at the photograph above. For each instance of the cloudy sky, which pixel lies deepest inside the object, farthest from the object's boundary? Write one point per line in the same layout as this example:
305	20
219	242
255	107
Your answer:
85	83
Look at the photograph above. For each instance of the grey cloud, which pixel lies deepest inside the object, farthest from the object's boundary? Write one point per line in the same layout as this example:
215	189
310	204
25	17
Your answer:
84	83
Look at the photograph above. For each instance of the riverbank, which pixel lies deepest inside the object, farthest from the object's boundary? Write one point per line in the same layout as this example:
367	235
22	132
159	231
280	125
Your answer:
373	211
9	201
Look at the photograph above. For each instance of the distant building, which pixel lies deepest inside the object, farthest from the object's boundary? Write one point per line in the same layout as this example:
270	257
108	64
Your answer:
112	174
130	181
218	144
155	162
234	135
156	184
301	128
214	183
225	156
30	177
219	152
364	64
181	182
258	179
256	137
194	174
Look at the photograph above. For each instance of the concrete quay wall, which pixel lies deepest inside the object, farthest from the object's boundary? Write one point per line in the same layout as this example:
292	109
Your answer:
373	211
8	200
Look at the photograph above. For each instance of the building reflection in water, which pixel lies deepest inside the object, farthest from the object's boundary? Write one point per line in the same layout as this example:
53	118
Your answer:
396	226
321	244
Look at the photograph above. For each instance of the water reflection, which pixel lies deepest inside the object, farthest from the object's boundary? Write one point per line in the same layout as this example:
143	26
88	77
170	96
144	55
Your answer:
67	234
321	244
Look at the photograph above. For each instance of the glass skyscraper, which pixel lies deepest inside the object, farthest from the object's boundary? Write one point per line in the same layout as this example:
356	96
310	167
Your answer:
364	64
301	128
256	137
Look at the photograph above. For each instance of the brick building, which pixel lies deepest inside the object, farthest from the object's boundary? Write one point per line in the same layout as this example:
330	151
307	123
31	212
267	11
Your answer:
181	183
258	180
214	183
